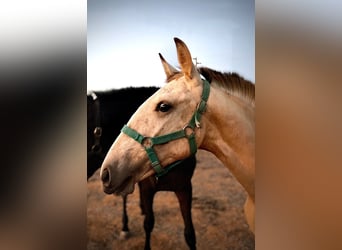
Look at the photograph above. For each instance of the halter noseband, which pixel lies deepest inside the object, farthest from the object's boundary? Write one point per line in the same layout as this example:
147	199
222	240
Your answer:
149	142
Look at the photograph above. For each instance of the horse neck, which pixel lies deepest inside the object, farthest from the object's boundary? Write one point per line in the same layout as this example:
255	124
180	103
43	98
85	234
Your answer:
230	136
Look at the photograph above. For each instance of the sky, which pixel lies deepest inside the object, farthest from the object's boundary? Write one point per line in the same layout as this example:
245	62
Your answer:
125	37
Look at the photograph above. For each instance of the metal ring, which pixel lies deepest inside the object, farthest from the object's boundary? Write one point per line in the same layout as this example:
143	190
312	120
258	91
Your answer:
98	131
96	148
147	142
186	128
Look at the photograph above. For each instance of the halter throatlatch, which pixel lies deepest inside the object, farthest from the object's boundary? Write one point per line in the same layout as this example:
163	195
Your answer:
187	132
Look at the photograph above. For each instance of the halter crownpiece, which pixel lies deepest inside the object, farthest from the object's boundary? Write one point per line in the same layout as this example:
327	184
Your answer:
149	142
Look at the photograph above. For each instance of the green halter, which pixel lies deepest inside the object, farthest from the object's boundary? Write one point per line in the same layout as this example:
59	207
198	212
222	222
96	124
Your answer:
149	142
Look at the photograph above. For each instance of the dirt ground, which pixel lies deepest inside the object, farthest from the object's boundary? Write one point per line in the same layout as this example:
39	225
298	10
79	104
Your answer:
217	212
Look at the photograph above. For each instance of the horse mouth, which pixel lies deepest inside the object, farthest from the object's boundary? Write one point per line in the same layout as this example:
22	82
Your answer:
126	187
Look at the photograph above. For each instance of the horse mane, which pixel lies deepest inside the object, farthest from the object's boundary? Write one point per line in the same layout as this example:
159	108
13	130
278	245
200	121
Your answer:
233	83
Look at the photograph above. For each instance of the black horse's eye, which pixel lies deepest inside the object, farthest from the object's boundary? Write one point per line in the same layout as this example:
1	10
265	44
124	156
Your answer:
163	107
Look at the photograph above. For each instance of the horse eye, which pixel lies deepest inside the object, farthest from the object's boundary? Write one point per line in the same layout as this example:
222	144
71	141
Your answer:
163	107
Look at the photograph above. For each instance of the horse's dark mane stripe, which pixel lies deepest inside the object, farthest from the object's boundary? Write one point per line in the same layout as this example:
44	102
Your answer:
232	82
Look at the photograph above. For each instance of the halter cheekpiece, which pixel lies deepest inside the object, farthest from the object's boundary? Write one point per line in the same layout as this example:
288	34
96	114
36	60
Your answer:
96	148
187	132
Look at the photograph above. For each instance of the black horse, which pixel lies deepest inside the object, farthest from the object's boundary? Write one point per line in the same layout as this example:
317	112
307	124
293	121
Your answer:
108	111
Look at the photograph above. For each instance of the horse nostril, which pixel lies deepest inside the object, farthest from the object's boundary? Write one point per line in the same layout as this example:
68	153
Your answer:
105	177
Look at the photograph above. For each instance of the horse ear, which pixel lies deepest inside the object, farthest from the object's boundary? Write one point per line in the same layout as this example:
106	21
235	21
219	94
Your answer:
185	59
169	70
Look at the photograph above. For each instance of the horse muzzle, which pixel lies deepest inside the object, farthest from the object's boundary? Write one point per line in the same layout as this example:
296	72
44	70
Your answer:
116	183
105	177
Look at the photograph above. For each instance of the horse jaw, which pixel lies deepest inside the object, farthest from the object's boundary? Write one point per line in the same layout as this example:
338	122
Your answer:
147	174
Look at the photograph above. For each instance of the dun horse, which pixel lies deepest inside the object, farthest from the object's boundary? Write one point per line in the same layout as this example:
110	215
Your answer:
107	112
215	113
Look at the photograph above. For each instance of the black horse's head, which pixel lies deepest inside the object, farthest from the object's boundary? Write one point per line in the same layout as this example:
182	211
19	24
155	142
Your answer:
107	112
